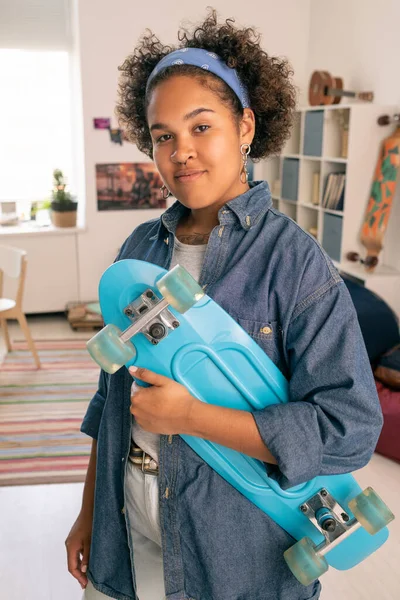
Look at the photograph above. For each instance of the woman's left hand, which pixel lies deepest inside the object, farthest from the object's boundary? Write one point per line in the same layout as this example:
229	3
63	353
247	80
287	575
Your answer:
163	408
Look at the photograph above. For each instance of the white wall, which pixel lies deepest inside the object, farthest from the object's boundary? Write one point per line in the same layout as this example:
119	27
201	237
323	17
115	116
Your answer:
106	33
359	41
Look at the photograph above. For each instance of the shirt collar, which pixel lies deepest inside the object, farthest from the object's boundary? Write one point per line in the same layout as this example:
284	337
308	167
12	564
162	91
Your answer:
248	208
252	205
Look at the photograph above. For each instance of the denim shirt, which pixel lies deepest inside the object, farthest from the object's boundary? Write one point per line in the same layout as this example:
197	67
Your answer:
276	281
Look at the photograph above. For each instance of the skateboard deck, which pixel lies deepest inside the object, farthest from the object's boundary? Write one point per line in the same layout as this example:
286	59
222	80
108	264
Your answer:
380	202
219	363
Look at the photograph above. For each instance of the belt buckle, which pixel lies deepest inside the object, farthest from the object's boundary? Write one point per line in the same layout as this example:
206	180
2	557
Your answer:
147	471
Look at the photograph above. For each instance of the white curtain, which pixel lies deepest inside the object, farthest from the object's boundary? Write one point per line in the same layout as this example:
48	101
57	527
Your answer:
35	24
35	97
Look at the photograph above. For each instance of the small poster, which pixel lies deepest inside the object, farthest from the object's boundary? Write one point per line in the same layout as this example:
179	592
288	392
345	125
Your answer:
101	123
127	186
116	136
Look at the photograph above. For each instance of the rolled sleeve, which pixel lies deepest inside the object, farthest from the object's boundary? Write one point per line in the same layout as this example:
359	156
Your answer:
91	421
333	419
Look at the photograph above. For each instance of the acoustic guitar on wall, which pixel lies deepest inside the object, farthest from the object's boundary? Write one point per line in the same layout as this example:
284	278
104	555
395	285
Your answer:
325	89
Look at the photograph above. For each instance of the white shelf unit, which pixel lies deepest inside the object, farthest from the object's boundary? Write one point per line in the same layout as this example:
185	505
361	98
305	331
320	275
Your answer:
365	137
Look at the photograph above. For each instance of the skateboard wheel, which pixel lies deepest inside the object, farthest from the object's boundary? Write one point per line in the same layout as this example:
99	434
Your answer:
304	562
371	261
180	289
353	256
370	510
108	350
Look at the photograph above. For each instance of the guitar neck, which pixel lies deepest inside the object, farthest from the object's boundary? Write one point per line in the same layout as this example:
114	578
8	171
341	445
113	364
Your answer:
337	92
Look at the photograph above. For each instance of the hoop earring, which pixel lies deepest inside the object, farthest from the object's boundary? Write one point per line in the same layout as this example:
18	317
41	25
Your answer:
164	189
244	151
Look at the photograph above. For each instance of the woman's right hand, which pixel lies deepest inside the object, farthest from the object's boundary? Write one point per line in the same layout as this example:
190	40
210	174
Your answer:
78	544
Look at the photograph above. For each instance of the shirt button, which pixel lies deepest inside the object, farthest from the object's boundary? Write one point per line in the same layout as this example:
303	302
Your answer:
266	330
123	510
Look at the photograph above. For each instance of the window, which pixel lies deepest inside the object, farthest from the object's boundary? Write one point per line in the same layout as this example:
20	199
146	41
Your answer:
35	122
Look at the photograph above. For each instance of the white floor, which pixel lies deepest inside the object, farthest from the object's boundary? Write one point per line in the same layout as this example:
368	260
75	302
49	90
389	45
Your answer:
35	520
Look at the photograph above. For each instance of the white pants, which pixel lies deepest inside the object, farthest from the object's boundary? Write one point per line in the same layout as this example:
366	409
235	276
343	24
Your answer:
144	518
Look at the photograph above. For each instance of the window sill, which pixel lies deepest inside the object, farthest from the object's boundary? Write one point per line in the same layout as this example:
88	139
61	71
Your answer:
30	228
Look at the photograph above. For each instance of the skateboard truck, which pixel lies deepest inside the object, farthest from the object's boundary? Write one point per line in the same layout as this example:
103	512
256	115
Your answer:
150	316
112	348
369	261
330	518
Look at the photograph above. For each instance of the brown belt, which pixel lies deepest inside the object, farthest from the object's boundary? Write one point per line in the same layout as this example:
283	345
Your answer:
140	459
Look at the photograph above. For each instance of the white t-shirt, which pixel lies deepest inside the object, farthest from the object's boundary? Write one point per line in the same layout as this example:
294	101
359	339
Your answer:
191	258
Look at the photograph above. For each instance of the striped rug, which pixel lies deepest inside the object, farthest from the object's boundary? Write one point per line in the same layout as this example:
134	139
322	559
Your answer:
41	412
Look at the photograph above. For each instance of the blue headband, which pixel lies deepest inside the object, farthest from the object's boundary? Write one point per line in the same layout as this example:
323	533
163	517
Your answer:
207	61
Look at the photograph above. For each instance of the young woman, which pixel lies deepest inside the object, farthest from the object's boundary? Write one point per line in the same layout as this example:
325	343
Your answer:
175	528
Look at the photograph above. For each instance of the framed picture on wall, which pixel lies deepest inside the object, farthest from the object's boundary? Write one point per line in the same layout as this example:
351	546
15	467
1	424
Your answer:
100	123
128	186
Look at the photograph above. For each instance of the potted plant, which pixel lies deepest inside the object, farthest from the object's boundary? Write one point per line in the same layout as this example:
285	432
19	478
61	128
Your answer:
63	205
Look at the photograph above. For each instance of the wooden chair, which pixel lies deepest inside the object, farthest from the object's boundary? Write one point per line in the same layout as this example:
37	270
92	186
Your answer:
13	264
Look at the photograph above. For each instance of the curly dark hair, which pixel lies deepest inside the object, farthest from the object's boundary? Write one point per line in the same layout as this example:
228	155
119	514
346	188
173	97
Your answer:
267	78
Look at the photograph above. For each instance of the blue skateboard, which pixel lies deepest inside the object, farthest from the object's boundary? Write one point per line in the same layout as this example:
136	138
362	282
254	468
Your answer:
162	320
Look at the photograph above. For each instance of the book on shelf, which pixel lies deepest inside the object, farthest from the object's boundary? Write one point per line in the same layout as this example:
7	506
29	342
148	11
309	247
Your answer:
315	189
340	193
334	191
327	190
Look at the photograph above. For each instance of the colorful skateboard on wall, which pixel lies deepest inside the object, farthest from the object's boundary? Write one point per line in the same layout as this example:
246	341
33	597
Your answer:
163	321
381	199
